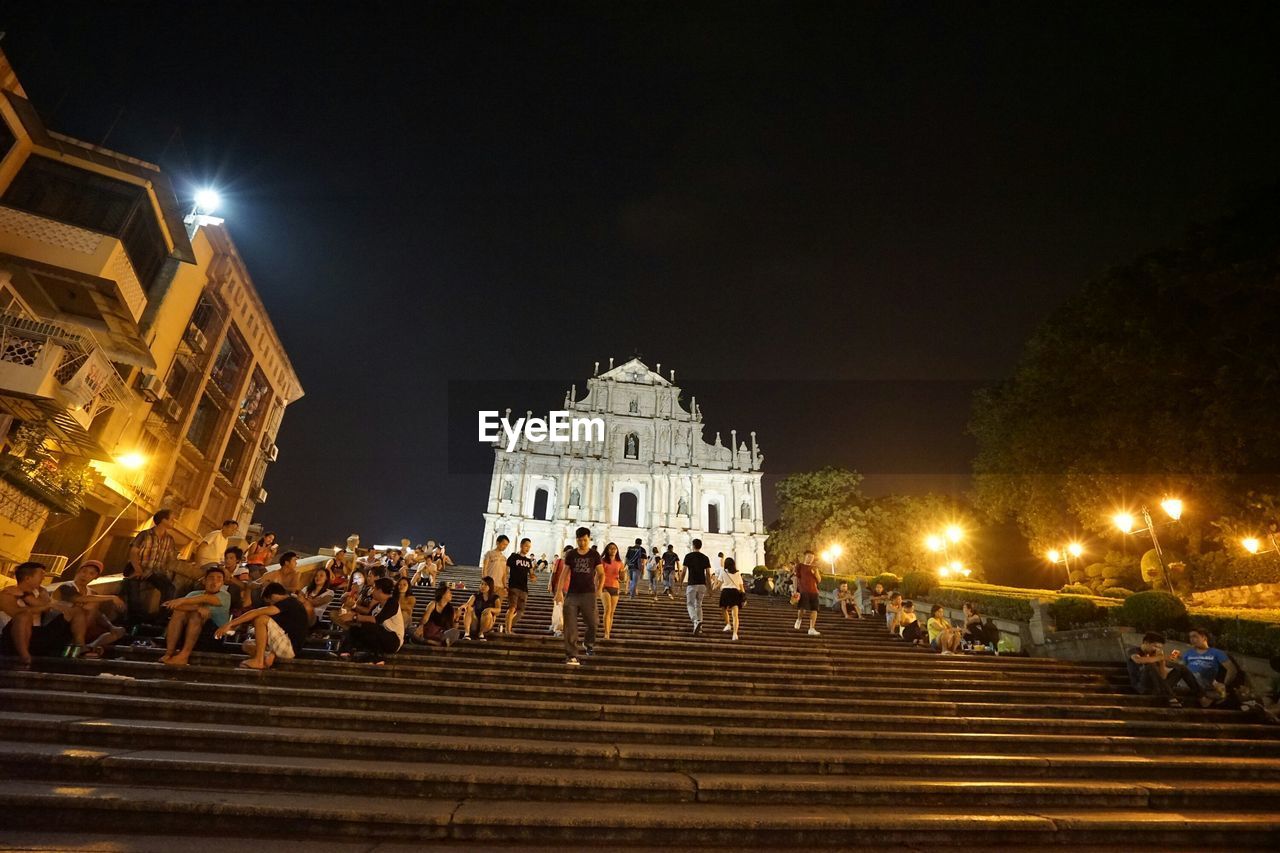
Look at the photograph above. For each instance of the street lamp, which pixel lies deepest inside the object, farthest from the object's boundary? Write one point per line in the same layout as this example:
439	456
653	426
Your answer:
830	556
131	461
1124	522
1254	545
1073	549
207	201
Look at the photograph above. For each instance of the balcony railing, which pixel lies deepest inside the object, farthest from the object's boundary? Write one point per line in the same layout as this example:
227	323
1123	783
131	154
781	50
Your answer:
40	485
53	362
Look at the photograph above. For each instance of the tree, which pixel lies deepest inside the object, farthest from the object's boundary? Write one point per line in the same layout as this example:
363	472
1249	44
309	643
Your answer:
1159	377
823	507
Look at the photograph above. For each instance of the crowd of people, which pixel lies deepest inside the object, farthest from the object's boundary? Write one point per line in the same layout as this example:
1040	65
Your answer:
274	612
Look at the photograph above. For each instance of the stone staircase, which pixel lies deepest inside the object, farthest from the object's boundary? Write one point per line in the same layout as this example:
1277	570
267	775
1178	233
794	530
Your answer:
661	740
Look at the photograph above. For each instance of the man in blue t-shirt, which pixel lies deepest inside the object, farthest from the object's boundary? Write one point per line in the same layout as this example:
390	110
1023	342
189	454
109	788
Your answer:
195	617
1211	667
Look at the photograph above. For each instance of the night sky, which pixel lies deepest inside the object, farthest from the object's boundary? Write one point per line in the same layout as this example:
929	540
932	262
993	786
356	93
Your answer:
834	221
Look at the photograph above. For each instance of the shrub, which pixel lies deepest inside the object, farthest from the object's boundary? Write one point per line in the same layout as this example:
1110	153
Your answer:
916	584
1152	611
1076	589
1116	592
1073	611
889	579
999	606
1218	569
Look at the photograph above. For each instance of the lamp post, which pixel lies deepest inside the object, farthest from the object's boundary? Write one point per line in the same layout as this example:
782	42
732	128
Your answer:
1124	522
1073	549
943	541
1254	546
830	556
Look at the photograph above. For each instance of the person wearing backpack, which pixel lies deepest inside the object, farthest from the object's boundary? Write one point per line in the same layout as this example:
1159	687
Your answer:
636	557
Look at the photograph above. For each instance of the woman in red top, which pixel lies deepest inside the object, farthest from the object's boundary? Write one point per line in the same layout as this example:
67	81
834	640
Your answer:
612	566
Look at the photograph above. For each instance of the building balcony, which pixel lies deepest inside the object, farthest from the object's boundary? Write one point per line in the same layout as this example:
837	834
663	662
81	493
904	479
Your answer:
51	372
57	244
43	484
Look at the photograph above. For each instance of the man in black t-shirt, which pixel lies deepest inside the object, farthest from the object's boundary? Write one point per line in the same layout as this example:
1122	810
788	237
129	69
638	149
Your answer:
698	567
519	566
635	567
280	627
669	561
579	589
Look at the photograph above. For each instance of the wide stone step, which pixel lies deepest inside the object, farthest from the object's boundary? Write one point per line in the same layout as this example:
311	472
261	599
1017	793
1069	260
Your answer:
360	691
702	749
29	804
217	770
417	712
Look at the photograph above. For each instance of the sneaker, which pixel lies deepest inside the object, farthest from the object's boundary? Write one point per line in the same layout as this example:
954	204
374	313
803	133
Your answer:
735	638
728	628
697	628
466	636
670	596
482	638
813	632
588	652
797	624
946	652
572	662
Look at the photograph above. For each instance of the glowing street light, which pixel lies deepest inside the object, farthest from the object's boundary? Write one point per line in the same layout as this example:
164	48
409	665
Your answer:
207	201
830	556
1254	545
1075	549
1054	556
954	533
934	543
131	461
1125	524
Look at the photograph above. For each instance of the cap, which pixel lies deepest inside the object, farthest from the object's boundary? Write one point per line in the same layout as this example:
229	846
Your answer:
94	563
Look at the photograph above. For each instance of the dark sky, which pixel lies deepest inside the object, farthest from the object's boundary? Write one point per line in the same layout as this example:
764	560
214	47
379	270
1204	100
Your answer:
831	219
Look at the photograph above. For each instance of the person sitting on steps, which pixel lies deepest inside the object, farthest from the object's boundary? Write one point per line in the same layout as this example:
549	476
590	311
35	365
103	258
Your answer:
195	618
891	613
439	622
879	600
847	602
380	632
280	627
909	625
943	636
1150	671
481	613
95	631
33	622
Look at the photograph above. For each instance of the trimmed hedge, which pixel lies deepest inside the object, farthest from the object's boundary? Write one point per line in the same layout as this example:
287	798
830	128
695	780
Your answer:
916	585
1076	589
889	579
1116	592
1074	611
997	606
1152	611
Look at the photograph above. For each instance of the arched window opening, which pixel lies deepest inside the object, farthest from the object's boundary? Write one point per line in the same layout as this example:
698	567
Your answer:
628	510
713	518
540	500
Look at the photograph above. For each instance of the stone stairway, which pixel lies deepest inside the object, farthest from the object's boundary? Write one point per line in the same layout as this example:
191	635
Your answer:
660	740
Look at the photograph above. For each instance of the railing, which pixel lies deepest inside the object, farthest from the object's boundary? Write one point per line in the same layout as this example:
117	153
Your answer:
37	485
54	564
88	377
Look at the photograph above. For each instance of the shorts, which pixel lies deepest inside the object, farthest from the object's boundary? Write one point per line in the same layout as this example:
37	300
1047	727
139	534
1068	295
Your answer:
518	599
46	640
278	642
610	590
808	601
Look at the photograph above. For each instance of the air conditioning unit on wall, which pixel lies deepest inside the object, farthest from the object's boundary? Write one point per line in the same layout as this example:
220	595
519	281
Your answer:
261	496
171	409
151	387
196	338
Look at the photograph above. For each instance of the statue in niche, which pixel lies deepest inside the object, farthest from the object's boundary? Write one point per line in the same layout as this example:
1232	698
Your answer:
746	510
632	446
575	498
506	490
634	407
683	507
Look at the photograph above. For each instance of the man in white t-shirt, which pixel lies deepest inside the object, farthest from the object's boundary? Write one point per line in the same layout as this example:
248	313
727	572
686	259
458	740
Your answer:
214	545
